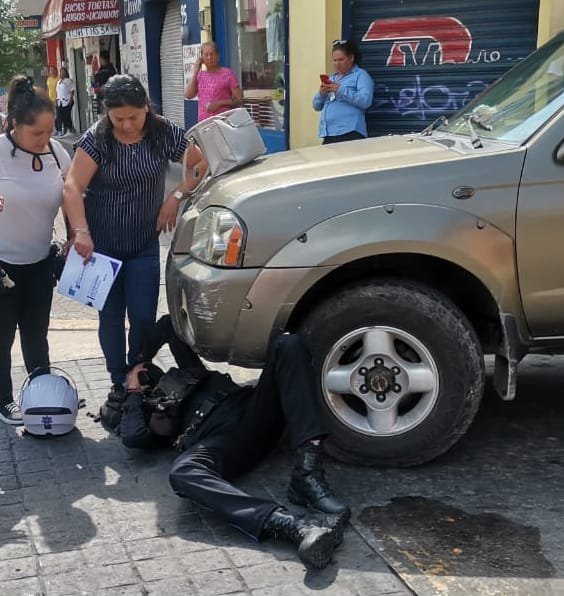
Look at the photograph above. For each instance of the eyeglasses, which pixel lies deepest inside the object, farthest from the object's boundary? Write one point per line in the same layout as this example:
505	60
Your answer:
339	42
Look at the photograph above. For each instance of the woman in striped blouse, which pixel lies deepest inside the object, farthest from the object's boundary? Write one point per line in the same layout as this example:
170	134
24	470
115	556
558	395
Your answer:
113	197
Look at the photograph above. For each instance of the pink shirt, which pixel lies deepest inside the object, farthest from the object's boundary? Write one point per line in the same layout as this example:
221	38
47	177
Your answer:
213	86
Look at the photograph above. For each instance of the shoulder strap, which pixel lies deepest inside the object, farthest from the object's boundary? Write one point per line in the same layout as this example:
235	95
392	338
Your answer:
52	149
220	391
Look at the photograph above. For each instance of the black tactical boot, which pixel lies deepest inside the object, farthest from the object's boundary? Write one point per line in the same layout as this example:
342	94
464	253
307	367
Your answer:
111	409
314	541
308	486
337	522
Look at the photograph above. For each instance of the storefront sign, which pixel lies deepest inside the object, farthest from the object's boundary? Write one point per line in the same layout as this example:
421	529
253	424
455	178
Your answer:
94	31
64	15
132	8
190	55
31	22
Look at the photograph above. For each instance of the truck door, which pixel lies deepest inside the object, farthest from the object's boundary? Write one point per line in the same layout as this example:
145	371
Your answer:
540	232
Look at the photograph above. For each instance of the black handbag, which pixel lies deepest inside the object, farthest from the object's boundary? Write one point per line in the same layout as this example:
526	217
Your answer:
57	259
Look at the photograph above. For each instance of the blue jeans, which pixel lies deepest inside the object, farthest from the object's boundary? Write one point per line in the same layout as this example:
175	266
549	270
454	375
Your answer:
135	291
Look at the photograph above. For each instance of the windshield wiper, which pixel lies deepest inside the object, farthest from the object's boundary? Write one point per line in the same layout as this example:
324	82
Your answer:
475	140
428	130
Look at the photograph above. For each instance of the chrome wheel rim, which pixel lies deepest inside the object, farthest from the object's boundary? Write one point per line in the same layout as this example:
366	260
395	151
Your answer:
380	381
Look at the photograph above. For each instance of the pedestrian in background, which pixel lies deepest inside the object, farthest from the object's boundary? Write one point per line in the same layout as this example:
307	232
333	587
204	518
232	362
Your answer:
106	70
113	198
217	87
32	168
65	101
52	80
344	97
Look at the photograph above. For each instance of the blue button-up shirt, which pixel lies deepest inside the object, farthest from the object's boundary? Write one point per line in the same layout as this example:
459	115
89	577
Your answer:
345	113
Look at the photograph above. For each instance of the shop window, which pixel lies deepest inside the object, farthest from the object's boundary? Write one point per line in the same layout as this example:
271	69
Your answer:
261	35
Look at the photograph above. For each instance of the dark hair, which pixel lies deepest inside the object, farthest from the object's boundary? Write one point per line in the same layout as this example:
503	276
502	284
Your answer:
61	71
349	48
105	55
26	102
127	91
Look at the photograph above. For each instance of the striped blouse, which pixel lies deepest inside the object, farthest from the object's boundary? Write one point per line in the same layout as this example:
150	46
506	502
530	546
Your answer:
123	199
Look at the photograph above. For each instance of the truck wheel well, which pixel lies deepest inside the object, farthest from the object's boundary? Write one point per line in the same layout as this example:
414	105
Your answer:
463	288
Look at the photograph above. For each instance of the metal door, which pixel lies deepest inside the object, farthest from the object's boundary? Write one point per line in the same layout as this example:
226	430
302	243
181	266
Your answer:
431	58
172	70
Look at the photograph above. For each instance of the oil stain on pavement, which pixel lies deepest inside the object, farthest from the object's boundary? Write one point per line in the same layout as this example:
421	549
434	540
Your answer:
430	537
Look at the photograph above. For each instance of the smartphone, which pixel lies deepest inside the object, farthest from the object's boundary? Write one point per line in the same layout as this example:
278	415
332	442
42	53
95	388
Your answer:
325	80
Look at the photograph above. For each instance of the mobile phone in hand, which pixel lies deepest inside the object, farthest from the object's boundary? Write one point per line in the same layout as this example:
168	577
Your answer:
325	80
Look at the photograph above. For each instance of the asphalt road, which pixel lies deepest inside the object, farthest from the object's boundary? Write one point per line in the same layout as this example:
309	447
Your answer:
486	518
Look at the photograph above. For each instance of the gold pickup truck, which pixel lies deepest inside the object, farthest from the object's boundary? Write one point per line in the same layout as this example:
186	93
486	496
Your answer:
402	260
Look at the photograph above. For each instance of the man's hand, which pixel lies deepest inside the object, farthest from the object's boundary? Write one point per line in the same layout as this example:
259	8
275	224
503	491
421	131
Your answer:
132	379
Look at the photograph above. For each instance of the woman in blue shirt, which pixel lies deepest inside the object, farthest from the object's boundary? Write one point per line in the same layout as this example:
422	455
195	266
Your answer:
344	97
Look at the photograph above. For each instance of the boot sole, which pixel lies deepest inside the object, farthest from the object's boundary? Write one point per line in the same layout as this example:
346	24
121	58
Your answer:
316	551
342	518
338	525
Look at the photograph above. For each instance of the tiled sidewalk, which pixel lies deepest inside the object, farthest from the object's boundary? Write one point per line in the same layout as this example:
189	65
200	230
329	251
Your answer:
81	514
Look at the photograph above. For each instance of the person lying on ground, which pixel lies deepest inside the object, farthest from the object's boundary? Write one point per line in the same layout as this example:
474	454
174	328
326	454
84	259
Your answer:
224	430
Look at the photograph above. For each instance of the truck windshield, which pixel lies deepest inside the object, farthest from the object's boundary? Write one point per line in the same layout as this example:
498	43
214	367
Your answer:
514	107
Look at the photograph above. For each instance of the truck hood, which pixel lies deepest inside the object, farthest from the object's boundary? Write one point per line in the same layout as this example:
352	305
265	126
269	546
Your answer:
284	195
328	162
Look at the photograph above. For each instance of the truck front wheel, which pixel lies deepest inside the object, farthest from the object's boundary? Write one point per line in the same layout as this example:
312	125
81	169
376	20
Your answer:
400	372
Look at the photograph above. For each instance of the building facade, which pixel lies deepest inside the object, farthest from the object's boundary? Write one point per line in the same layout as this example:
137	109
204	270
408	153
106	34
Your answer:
75	33
427	58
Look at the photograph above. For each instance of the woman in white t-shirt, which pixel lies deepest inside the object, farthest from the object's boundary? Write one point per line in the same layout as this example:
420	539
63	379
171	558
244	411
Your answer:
31	191
65	101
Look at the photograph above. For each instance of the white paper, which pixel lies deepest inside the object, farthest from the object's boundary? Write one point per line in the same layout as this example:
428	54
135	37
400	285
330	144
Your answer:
88	284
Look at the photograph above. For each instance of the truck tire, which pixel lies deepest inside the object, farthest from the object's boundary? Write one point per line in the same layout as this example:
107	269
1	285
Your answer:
400	372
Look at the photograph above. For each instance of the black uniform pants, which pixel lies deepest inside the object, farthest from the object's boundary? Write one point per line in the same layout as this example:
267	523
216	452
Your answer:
64	118
25	306
284	397
347	136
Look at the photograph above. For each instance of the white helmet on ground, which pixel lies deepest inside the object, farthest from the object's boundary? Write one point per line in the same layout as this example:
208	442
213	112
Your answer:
49	403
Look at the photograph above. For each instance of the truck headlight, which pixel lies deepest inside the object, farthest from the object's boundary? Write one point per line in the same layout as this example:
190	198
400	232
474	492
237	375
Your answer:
218	238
